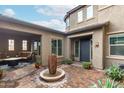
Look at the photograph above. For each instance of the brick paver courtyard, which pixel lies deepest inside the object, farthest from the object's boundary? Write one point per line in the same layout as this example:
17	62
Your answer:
76	77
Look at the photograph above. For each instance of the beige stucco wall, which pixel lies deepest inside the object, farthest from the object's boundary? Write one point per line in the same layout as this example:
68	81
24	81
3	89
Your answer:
98	53
46	38
73	19
115	15
103	13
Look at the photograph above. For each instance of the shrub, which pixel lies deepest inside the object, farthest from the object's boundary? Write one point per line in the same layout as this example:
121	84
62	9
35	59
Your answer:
108	84
67	61
86	65
72	57
115	73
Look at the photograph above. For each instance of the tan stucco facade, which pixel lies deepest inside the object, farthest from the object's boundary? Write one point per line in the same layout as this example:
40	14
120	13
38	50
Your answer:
101	57
102	13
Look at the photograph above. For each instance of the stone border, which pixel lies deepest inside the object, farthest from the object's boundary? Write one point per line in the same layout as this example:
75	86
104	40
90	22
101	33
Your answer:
50	79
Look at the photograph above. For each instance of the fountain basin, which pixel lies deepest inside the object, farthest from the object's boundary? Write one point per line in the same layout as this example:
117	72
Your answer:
51	78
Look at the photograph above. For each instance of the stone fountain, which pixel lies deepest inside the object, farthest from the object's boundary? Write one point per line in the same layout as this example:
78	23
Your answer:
52	73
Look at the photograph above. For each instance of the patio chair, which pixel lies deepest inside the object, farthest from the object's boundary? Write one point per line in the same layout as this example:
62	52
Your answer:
27	57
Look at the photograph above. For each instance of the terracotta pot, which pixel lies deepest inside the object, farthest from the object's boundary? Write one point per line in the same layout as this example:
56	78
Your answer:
1	74
52	64
37	66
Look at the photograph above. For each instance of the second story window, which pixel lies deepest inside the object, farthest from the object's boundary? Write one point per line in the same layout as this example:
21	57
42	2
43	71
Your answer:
11	45
67	22
24	45
89	12
80	16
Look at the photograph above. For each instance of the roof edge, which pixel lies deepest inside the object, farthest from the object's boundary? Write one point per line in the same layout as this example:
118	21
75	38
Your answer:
88	27
14	20
73	10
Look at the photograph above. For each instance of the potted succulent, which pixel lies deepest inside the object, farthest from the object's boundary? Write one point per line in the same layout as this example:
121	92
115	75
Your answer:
1	73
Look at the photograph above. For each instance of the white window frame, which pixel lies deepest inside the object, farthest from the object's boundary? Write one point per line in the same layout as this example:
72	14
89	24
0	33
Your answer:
115	35
78	48
24	45
35	45
80	16
67	22
57	47
11	44
89	9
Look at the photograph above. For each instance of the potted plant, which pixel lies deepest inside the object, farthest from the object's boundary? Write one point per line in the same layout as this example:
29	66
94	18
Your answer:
37	65
87	65
1	73
38	62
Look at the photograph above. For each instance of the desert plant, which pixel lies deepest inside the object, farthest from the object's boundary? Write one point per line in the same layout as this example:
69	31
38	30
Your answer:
87	65
107	84
67	61
115	73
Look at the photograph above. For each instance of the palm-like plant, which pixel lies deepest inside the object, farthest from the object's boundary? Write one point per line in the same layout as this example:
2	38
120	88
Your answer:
108	84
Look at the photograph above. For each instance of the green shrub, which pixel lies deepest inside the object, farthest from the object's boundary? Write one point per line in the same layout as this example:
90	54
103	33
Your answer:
86	65
72	57
115	73
67	61
108	84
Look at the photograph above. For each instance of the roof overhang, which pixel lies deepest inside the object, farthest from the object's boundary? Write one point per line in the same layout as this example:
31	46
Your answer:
88	28
16	21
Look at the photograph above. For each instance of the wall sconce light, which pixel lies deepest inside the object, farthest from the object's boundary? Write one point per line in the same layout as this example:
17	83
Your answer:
97	44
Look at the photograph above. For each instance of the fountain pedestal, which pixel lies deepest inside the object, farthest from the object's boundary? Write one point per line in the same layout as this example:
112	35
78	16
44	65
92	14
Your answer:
52	73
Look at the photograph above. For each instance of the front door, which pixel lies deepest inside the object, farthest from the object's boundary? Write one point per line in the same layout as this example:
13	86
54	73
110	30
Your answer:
85	50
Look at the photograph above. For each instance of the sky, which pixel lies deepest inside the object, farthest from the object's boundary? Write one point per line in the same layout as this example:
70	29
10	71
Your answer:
46	15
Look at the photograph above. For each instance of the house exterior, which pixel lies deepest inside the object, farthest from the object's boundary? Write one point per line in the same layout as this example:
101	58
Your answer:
93	33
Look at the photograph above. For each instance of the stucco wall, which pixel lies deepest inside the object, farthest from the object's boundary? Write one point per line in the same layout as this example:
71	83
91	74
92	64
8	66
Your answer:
73	19
98	49
115	15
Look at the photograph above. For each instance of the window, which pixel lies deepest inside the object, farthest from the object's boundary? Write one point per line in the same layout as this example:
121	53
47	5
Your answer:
76	48
67	22
89	12
57	47
24	45
117	44
35	45
80	16
11	45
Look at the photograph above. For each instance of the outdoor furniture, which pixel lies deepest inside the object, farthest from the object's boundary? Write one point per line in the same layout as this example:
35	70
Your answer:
27	56
2	57
12	61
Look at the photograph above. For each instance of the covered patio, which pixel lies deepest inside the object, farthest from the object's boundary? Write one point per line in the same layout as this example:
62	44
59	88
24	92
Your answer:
18	46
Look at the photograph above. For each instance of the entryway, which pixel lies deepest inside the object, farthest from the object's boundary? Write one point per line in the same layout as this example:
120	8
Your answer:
83	48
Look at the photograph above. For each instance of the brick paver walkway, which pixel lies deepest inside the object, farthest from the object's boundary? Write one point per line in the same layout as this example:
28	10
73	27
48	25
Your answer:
77	77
